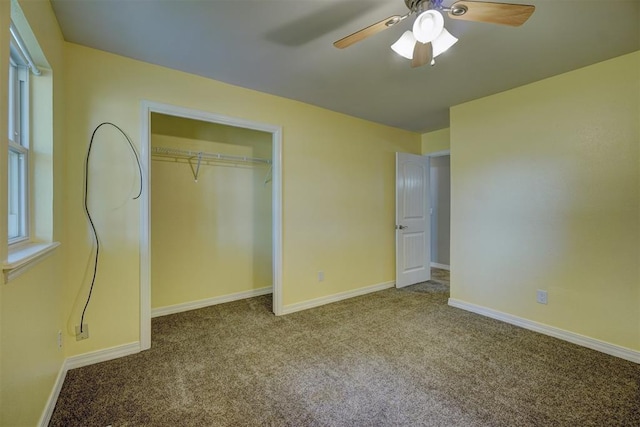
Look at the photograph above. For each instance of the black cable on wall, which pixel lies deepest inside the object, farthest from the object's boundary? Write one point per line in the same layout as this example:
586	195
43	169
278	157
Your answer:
86	207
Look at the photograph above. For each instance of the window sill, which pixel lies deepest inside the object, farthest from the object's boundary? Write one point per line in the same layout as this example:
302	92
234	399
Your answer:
23	257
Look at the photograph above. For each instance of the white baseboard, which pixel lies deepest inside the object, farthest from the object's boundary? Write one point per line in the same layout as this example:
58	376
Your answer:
193	305
316	302
440	266
53	397
78	362
572	337
102	355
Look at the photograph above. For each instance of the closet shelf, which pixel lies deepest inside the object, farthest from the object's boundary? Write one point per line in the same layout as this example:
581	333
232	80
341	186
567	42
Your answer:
200	157
204	156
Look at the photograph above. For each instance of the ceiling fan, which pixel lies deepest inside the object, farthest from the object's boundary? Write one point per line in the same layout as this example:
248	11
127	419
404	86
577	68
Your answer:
429	38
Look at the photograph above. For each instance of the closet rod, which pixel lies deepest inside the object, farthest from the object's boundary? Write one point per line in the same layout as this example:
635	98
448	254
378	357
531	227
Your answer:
202	155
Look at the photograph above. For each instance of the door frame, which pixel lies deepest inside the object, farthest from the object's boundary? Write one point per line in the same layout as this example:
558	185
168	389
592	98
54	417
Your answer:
438	153
148	107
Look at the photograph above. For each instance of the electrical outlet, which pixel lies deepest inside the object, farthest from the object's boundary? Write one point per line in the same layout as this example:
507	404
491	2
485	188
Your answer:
541	297
84	334
320	276
59	339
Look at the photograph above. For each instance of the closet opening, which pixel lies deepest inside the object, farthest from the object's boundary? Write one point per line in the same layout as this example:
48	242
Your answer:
211	212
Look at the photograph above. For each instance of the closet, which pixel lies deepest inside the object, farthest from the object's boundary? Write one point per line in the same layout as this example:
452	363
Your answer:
211	213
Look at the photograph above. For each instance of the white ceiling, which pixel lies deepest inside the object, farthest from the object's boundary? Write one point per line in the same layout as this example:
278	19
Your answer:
284	47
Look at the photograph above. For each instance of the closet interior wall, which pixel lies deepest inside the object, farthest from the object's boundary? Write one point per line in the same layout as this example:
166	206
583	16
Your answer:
210	238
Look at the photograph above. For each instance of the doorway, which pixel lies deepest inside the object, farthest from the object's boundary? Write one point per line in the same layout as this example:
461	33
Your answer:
194	167
440	193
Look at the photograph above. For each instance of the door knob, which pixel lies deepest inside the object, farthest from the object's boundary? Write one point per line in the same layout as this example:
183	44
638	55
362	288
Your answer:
401	227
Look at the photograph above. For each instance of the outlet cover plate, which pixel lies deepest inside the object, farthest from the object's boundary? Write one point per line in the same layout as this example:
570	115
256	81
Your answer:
541	297
84	334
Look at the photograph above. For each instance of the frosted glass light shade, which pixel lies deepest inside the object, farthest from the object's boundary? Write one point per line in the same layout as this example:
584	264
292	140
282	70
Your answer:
405	44
444	41
428	26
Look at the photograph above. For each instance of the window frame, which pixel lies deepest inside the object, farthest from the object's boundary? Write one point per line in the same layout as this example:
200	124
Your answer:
18	135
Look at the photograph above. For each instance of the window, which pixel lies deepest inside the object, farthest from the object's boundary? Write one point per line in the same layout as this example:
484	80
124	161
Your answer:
18	164
30	135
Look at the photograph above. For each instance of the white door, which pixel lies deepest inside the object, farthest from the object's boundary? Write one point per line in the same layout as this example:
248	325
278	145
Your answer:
413	222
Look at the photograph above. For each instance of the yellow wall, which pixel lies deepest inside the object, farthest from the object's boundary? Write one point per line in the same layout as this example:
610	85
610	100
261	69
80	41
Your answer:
438	140
31	305
212	237
31	318
338	187
545	195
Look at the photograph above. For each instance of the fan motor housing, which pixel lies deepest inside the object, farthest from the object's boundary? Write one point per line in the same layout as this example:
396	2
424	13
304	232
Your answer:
422	5
414	4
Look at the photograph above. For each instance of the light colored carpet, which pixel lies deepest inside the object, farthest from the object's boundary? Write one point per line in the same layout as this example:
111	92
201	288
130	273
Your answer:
392	358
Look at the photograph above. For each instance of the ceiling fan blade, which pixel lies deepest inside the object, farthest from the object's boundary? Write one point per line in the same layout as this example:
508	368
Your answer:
494	13
422	54
369	31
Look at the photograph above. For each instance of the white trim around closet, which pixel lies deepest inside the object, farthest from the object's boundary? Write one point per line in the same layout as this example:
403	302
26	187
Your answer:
148	107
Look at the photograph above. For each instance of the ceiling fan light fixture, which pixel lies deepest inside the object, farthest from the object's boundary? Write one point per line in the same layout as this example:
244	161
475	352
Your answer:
444	41
428	26
404	45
